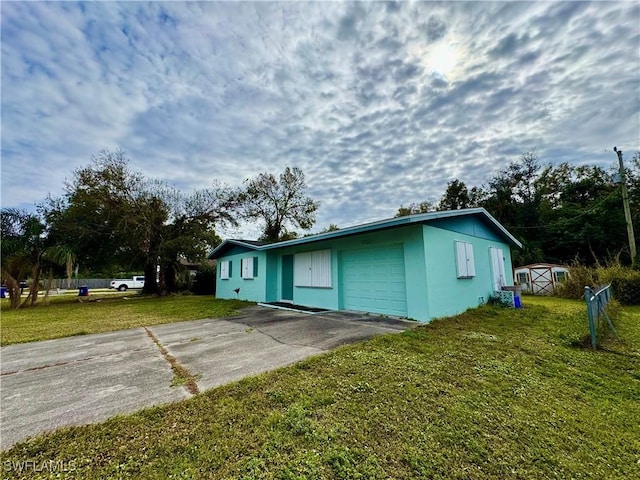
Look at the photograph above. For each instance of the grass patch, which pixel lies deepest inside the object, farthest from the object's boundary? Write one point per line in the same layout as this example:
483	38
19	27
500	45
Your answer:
66	316
490	394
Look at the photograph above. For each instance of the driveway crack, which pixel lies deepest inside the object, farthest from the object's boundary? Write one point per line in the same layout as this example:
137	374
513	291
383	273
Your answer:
181	376
61	364
284	343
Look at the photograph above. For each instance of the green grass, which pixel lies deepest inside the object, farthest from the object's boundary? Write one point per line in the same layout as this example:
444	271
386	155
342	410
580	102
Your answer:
68	315
490	394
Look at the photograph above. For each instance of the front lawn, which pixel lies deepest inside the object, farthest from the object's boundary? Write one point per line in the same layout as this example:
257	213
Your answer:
490	394
72	315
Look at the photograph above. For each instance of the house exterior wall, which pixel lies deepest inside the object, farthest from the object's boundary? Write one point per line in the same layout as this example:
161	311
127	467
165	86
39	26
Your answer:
331	298
253	289
468	226
432	286
446	293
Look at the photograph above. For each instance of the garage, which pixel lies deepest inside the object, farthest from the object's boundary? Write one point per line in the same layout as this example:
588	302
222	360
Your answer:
420	266
373	280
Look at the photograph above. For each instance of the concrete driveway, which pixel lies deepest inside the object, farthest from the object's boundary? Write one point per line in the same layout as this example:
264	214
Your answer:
85	379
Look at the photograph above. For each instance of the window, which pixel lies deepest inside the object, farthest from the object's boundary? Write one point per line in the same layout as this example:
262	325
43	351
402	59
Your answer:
465	261
523	278
225	270
560	276
249	267
312	269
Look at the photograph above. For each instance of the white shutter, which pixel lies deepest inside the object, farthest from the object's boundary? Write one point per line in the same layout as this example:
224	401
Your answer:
471	265
312	269
464	260
497	267
321	269
247	267
461	259
302	269
224	270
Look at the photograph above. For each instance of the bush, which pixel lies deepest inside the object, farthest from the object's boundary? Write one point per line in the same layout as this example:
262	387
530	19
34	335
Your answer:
625	282
626	289
579	277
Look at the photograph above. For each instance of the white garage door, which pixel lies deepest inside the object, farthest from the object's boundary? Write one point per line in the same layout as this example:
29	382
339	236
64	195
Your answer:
373	280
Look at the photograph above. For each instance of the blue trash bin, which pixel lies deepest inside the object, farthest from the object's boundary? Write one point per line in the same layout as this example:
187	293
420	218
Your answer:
3	292
83	291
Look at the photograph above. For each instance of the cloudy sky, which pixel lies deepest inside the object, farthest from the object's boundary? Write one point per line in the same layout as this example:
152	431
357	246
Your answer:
380	104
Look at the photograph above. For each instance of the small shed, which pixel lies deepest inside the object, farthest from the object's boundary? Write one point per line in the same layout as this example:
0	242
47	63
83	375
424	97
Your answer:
540	278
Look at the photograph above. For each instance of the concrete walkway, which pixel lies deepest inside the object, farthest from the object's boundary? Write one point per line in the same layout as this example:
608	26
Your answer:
86	379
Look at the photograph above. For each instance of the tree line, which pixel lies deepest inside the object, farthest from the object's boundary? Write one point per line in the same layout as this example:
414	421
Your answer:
111	218
561	214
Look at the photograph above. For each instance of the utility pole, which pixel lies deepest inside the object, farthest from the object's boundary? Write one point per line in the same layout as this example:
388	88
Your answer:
627	211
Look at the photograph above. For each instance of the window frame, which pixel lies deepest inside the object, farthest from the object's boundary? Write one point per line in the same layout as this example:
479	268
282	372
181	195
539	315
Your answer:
559	276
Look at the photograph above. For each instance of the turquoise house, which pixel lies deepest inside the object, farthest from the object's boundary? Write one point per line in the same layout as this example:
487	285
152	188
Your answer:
420	266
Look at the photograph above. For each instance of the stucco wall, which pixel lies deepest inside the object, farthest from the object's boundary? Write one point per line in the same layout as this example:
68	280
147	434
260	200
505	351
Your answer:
432	287
447	294
330	298
250	289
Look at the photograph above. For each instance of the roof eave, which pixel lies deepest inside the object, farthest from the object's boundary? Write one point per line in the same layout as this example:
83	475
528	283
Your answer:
233	242
395	222
380	224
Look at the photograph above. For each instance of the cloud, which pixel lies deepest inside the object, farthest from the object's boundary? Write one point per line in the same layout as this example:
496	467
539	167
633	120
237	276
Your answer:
380	104
435	29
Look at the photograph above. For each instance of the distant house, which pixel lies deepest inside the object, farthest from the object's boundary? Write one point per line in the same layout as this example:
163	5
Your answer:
540	278
420	266
194	268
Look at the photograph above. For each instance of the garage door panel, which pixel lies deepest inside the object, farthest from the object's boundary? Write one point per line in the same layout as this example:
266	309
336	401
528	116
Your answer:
374	280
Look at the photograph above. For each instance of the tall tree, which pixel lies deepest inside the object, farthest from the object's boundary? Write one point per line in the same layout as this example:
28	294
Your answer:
415	208
190	234
280	203
115	218
560	212
97	213
455	197
586	222
22	248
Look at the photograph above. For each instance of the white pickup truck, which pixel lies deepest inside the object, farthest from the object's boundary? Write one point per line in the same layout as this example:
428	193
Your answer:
124	284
